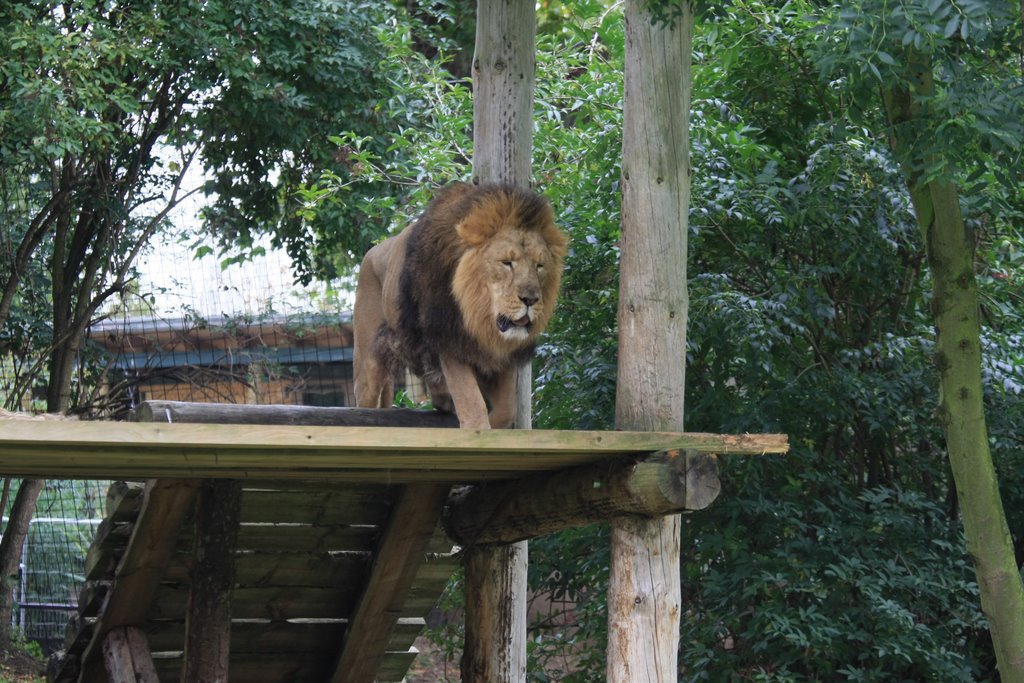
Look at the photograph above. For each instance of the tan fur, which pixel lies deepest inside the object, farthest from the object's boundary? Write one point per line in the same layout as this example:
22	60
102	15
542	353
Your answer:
493	253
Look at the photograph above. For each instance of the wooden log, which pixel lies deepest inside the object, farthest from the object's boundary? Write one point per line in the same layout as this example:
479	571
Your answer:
208	621
644	594
127	658
644	600
504	66
401	552
504	512
241	413
495	646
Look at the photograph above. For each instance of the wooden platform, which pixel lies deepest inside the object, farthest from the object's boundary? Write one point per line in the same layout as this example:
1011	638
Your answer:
305	550
340	556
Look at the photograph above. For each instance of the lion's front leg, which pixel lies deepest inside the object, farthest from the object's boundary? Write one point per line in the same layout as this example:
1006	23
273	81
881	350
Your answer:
503	399
465	392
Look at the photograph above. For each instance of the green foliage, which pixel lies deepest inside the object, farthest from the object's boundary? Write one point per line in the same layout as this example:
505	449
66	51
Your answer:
871	586
287	74
972	123
809	315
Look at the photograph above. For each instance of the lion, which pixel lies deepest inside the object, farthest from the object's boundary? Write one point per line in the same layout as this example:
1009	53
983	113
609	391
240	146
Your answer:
459	297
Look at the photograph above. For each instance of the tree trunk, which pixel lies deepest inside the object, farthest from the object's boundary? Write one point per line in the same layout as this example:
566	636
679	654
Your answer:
10	550
955	304
504	66
644	590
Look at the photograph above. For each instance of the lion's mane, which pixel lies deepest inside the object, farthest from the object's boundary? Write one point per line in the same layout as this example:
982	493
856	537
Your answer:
444	298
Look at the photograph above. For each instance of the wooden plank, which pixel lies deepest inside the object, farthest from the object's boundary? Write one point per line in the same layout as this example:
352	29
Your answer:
253	451
259	637
153	539
398	559
292	537
260	667
394	666
365	505
124	500
126	656
277	603
285	569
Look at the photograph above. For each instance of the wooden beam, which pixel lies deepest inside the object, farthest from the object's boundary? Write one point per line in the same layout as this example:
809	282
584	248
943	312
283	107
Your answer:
401	552
127	657
504	512
242	413
212	580
165	505
128	450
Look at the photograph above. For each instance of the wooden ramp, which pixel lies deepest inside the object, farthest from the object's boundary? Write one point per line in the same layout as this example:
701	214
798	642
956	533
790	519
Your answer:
305	551
340	555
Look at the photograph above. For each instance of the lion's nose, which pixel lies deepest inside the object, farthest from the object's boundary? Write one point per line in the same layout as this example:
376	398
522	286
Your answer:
528	300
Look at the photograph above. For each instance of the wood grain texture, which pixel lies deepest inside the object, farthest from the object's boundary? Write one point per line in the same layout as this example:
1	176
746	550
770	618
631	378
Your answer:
143	450
505	512
504	65
644	589
401	552
127	658
495	645
212	580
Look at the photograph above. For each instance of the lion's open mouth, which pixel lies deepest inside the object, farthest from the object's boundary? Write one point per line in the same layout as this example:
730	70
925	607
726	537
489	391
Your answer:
505	323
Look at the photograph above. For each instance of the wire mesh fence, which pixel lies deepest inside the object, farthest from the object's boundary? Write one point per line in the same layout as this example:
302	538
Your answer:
199	330
52	570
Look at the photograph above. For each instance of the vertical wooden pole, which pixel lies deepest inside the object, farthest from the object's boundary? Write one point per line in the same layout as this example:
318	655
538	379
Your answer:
208	619
504	66
127	657
644	591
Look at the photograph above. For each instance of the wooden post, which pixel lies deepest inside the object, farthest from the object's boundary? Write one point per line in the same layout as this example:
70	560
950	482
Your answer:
644	591
504	66
127	657
208	619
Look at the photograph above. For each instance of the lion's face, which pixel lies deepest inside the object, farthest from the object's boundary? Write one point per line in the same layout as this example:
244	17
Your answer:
507	280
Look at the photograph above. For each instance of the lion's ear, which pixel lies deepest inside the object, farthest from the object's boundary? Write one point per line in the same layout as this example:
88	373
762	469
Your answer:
557	241
474	231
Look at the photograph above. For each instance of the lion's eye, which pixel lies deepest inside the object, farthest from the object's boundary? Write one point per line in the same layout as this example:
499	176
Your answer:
507	264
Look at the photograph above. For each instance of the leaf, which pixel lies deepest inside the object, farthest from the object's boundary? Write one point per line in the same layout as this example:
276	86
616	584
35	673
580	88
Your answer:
951	26
885	58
